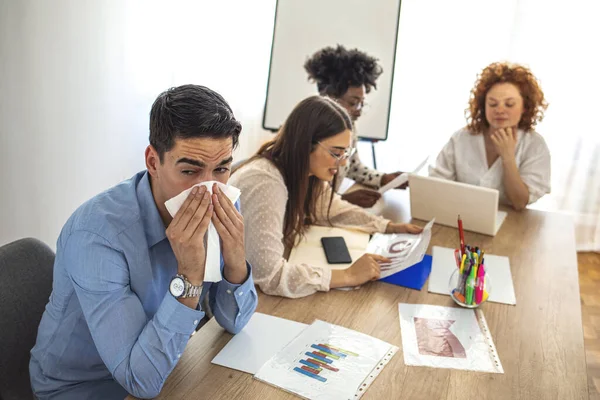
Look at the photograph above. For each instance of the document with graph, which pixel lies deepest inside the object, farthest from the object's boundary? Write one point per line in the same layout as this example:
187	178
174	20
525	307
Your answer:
327	362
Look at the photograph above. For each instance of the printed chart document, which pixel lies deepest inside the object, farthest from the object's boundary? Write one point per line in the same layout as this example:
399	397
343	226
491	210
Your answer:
327	362
445	337
403	249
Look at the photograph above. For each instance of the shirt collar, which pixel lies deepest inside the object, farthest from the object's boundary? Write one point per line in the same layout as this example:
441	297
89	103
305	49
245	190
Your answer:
154	228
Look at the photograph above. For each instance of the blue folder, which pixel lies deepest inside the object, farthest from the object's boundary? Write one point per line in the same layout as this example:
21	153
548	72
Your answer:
413	277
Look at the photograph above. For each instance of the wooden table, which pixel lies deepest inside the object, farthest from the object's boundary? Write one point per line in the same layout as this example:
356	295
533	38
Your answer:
539	341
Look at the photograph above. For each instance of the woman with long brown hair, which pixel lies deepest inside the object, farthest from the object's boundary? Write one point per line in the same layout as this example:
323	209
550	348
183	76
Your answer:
286	187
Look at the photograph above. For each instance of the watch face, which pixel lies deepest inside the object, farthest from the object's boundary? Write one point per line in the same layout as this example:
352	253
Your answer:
177	287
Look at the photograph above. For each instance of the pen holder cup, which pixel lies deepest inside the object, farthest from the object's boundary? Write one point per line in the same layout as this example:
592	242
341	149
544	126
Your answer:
453	284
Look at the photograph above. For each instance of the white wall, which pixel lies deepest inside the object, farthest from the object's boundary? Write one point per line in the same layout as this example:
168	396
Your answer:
443	45
78	77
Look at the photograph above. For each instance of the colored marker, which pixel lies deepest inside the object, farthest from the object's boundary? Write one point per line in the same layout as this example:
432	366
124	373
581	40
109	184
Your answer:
470	286
461	235
462	263
479	288
458	296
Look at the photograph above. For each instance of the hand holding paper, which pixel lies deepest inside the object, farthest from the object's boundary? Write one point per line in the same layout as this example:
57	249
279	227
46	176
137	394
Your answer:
366	268
186	234
402	249
402	178
211	268
399	180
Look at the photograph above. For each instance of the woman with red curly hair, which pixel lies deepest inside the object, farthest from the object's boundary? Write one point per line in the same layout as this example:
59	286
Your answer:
499	147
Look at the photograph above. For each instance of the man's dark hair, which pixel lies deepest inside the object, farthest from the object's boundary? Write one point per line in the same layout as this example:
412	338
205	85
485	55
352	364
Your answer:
336	69
190	111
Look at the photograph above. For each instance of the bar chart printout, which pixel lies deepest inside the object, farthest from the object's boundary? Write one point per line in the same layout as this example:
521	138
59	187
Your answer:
327	361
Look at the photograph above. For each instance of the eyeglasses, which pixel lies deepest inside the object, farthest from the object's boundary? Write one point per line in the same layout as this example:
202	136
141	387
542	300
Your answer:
339	157
360	105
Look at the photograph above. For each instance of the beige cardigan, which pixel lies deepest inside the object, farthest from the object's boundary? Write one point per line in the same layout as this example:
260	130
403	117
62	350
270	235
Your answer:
263	203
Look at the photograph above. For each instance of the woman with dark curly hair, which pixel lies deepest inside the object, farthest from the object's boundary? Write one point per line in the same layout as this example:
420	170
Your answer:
499	147
347	76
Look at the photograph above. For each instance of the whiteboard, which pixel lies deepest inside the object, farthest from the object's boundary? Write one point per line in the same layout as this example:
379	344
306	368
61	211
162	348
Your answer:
303	27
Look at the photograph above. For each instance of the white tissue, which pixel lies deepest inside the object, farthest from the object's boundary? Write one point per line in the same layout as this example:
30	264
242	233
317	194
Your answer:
212	270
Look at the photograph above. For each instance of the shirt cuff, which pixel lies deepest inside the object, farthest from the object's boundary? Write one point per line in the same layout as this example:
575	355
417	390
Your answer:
177	317
381	224
240	291
377	180
325	280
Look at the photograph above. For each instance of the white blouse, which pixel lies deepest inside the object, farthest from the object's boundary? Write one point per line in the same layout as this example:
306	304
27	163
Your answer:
463	159
263	202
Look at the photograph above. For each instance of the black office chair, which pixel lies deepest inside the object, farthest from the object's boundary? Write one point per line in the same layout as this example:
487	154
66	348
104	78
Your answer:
25	284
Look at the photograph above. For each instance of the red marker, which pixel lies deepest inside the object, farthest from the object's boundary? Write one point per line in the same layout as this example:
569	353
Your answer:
461	233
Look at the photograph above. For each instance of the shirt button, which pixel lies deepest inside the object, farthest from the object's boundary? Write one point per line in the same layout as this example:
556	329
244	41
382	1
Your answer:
239	314
228	291
240	293
179	355
195	322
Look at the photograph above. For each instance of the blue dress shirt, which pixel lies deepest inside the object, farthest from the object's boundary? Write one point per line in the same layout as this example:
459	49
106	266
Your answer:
111	326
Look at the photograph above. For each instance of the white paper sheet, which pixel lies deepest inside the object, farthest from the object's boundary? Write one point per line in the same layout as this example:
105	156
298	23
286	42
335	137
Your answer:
404	249
497	268
402	178
397	181
444	337
341	361
212	269
261	339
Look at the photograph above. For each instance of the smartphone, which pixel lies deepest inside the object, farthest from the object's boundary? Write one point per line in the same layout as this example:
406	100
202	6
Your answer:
336	250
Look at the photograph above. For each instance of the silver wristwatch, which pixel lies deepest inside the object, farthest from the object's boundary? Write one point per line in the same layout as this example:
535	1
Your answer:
181	288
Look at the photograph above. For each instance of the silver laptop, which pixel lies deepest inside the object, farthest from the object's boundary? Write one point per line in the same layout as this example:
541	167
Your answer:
444	200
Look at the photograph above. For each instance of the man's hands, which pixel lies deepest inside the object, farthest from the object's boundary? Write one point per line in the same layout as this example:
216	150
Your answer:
186	234
229	223
187	231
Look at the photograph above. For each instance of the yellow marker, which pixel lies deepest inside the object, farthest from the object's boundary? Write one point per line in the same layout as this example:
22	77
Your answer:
462	263
485	296
476	259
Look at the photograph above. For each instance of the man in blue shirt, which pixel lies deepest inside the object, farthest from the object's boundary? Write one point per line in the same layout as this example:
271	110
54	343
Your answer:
128	278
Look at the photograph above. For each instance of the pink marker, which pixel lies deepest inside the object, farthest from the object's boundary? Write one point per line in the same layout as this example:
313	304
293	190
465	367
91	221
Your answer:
480	286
